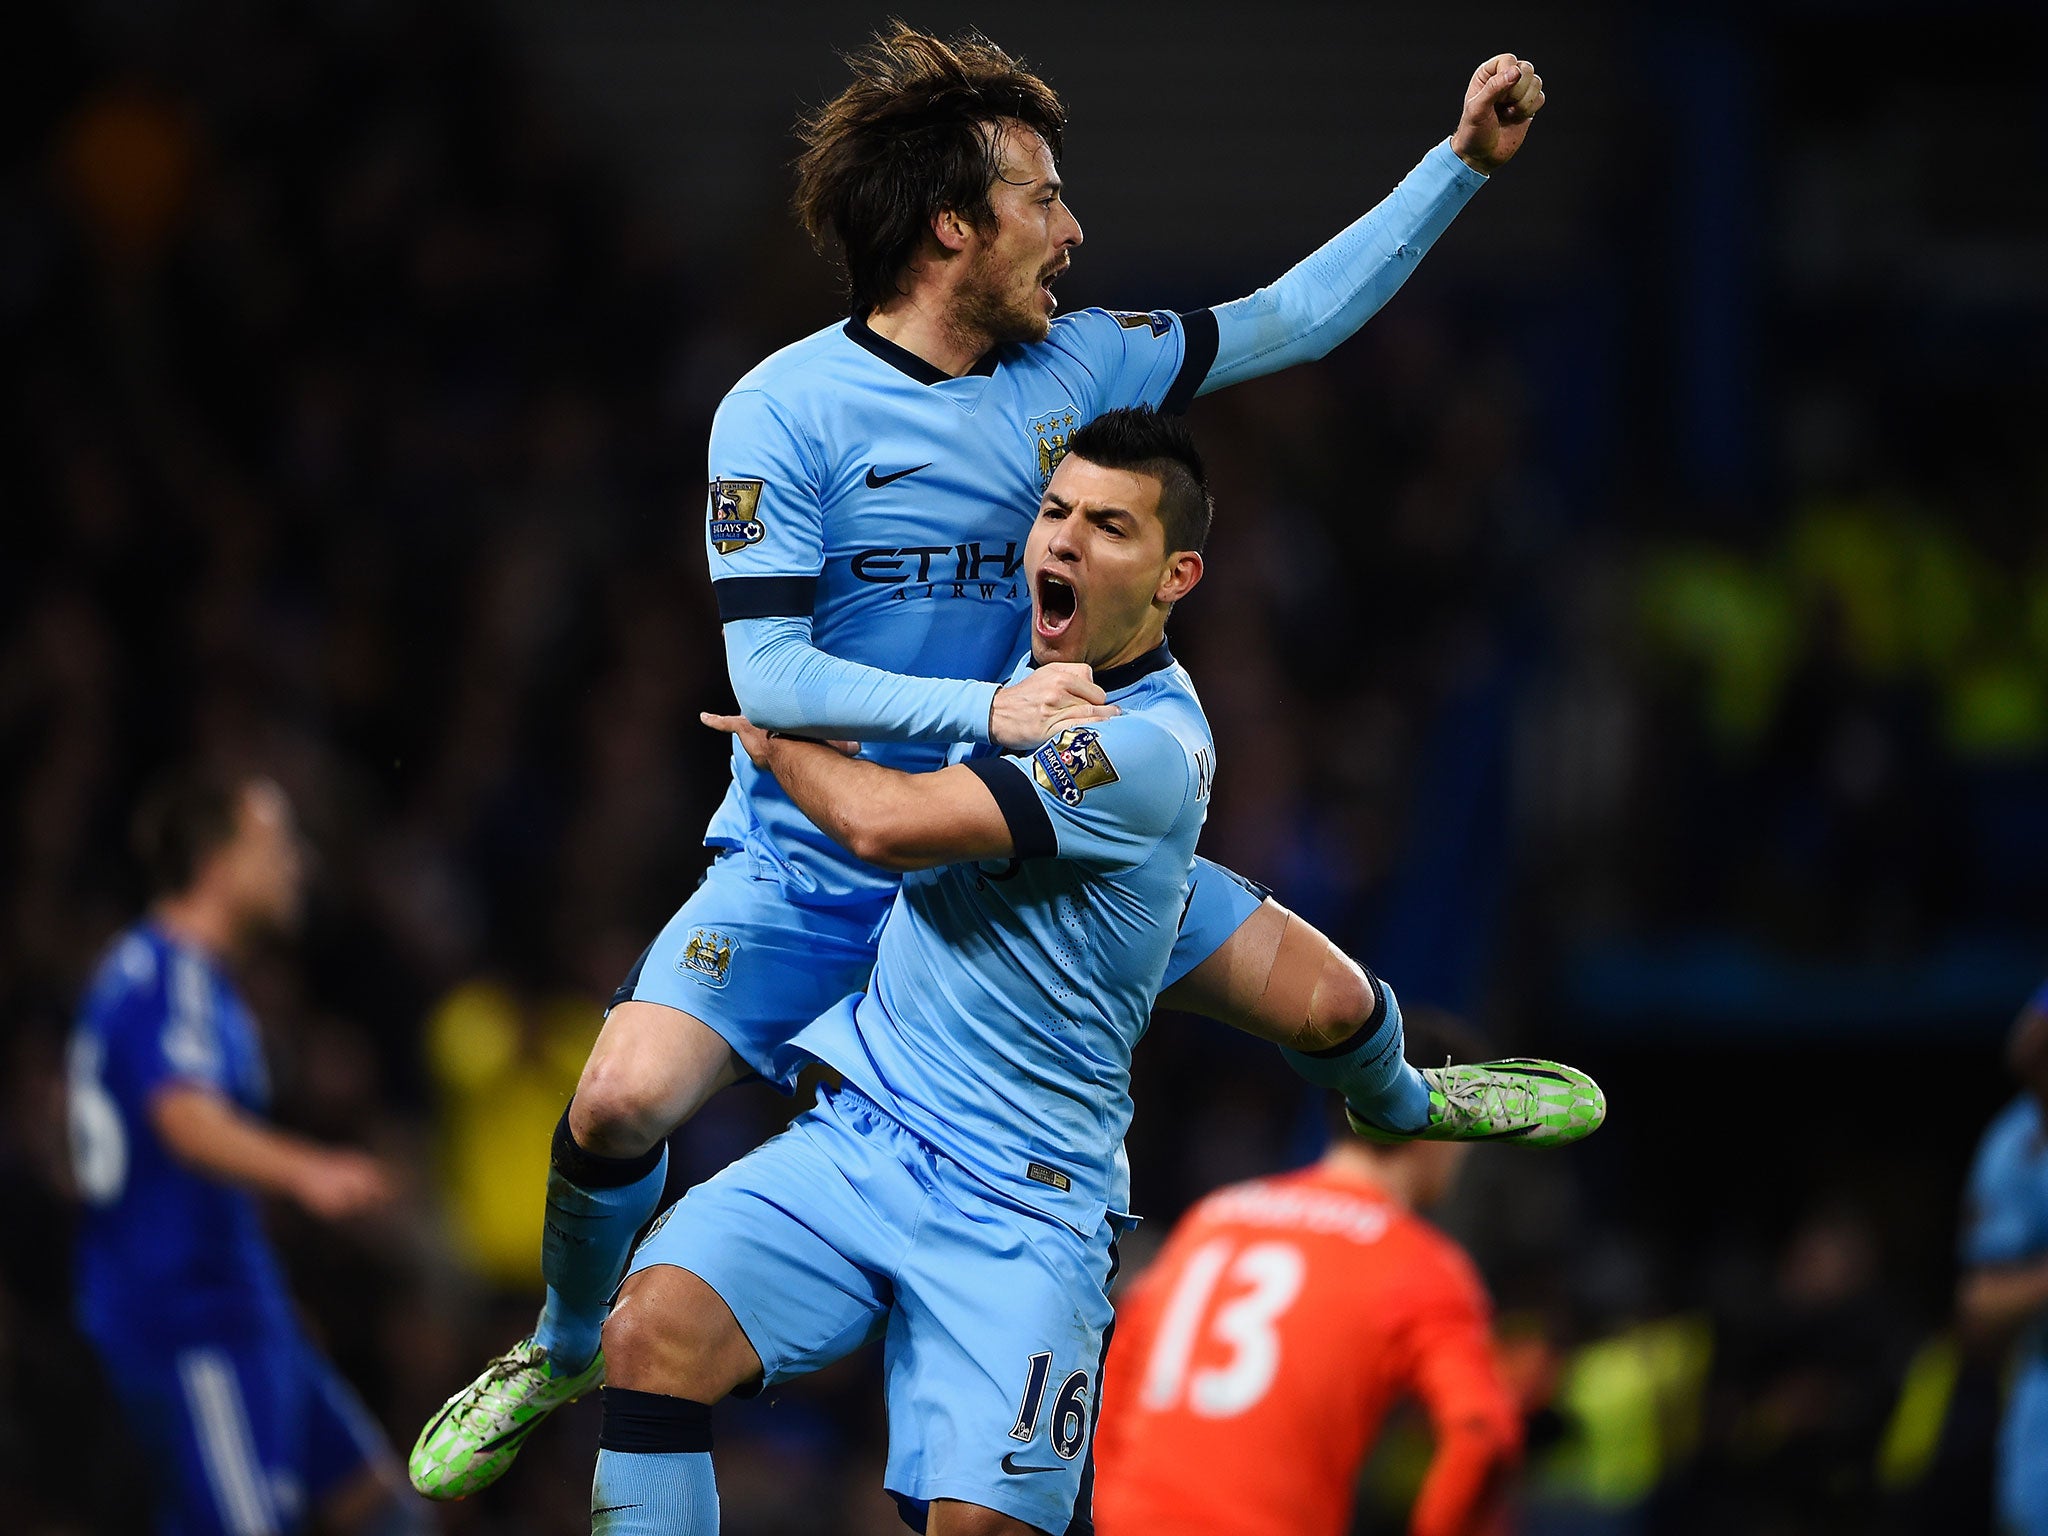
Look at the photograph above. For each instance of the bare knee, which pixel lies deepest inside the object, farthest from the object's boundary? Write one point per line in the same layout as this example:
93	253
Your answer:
617	1112
669	1332
950	1517
1343	1002
652	1068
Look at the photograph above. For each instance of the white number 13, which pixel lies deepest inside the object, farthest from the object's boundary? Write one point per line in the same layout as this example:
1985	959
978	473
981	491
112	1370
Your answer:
1274	1272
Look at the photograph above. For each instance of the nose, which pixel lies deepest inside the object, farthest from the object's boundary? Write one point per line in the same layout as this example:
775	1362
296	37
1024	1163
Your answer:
1064	544
1071	236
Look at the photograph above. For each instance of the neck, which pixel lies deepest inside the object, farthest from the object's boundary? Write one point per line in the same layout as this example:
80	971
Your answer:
921	323
1391	1176
195	919
1146	639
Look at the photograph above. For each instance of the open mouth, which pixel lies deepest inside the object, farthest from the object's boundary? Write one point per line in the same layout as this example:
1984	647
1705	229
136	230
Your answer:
1057	602
1052	275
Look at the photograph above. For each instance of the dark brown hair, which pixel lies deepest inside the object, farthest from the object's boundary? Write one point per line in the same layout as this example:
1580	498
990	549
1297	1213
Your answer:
1138	438
912	136
186	815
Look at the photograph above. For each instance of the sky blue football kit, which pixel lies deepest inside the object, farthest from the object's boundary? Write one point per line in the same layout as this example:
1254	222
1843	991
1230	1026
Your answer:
245	1425
961	1194
865	527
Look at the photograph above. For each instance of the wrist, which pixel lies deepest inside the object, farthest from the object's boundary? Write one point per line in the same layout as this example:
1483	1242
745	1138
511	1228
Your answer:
1471	161
988	715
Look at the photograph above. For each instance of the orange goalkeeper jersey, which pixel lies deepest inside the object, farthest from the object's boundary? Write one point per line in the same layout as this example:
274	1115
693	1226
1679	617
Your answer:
1253	1363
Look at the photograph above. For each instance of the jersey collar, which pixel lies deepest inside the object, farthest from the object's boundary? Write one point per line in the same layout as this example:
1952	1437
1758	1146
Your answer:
1116	679
903	360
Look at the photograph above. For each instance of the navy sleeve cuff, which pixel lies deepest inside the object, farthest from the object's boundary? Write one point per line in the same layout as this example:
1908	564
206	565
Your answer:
1030	827
1198	356
765	597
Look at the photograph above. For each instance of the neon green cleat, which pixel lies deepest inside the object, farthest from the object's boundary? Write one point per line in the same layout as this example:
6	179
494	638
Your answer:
470	1443
1535	1103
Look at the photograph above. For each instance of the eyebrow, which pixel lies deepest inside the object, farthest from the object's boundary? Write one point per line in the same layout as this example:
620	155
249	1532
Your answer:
1096	511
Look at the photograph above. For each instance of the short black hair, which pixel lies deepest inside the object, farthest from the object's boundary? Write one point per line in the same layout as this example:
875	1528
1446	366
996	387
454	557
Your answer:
1150	442
185	816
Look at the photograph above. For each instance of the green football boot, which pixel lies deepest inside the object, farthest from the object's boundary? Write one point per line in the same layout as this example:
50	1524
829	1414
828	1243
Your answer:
1534	1103
468	1445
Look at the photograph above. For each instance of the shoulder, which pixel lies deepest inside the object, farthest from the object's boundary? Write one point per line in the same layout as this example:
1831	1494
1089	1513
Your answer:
1440	1274
1136	749
2011	1142
1087	334
129	975
787	390
792	369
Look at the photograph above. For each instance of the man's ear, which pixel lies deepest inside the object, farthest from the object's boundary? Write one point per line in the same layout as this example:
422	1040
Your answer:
950	230
1183	571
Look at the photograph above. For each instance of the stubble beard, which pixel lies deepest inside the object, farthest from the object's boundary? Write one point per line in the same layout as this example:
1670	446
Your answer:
986	310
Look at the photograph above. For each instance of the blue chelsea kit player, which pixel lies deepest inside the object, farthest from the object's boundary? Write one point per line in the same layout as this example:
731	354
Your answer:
247	1430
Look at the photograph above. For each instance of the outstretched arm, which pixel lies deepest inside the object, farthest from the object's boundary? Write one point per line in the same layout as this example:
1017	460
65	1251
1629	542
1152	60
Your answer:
212	1135
892	819
1325	298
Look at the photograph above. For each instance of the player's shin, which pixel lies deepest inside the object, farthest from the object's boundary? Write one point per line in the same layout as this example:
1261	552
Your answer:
595	1205
653	1467
1369	1068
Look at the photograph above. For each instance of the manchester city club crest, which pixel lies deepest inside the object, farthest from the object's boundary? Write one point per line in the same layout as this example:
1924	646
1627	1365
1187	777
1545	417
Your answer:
706	956
1052	431
734	523
1073	763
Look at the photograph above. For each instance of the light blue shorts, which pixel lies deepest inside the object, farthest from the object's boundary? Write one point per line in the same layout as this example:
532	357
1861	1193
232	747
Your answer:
757	967
847	1227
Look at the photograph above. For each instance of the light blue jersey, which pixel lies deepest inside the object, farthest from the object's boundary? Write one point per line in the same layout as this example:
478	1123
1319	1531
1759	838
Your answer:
2007	1223
857	487
953	1196
1008	997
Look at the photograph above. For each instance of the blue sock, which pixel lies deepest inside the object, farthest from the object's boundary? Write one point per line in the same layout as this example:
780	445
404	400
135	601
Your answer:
595	1205
1369	1069
653	1467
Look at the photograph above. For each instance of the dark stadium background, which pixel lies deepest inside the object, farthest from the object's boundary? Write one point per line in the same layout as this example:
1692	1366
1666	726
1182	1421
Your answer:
1637	640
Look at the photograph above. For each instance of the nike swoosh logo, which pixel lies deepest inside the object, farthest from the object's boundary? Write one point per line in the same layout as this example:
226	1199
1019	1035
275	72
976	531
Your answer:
1017	1471
511	1437
613	1509
876	482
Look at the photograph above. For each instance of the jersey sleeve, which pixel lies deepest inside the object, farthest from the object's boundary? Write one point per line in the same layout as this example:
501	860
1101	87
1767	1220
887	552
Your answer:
2002	1223
1102	795
1445	1352
1155	358
764	517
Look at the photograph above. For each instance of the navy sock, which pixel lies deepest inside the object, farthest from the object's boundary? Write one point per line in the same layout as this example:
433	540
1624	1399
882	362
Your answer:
595	1205
653	1467
1369	1069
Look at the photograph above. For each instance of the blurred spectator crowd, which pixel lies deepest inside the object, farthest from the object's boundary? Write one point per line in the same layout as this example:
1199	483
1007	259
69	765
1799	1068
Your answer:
354	428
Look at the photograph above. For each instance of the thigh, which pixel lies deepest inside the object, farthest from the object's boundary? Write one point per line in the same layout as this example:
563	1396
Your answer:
797	1239
1219	903
754	966
994	1361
